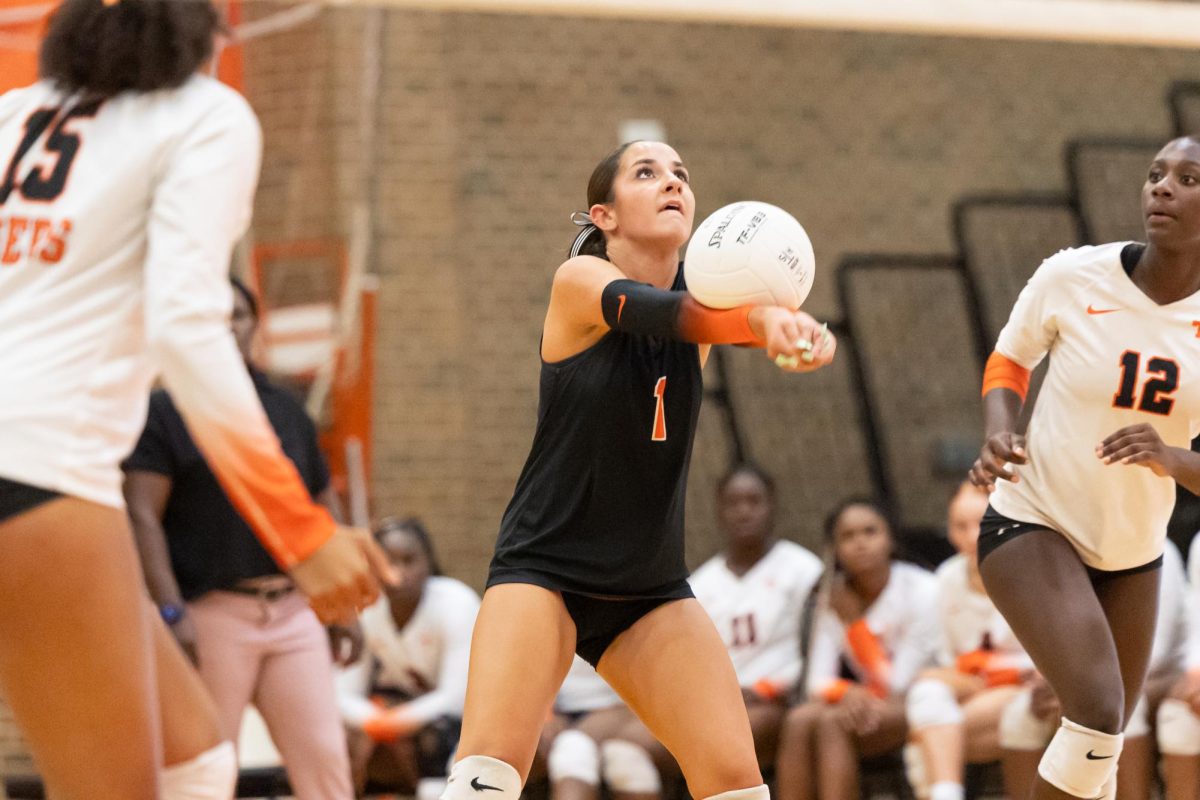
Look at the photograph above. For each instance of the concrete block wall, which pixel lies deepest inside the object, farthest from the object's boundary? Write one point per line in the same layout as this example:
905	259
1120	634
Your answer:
489	126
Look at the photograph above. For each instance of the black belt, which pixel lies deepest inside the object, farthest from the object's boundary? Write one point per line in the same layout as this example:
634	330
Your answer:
270	594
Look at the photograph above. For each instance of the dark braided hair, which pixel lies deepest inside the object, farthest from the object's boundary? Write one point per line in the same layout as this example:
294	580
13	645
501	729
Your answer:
104	48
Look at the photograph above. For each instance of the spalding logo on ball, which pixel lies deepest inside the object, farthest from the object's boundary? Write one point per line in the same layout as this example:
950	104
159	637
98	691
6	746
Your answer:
749	253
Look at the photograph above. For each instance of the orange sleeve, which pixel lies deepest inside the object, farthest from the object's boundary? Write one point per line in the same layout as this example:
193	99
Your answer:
1004	373
871	655
699	323
974	662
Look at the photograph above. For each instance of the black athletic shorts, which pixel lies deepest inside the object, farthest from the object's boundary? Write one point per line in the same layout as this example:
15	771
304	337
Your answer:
17	498
599	620
995	529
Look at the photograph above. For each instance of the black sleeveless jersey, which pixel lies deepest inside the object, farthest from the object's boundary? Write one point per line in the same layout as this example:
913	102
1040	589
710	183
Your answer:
598	508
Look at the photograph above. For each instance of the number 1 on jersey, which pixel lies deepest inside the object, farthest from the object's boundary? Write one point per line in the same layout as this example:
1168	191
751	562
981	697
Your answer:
659	434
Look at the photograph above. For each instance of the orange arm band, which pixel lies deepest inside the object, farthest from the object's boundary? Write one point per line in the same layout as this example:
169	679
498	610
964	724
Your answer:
767	689
835	690
1004	373
1005	676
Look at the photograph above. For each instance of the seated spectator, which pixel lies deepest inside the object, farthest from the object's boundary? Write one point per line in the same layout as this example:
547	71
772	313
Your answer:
874	630
755	591
954	710
253	637
1178	719
403	701
587	714
1032	717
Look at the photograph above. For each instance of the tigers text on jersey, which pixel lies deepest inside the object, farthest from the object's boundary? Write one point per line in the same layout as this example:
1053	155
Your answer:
969	621
1117	358
904	620
426	660
117	222
758	614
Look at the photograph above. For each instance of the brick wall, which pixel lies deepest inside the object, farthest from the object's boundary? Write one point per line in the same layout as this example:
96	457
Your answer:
489	127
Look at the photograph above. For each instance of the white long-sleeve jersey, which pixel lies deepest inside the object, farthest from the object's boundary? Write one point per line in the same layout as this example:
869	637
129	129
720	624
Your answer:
117	221
1117	359
969	621
758	614
904	621
427	659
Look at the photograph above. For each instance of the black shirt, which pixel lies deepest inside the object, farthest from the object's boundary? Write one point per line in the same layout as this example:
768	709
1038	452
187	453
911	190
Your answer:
598	508
211	546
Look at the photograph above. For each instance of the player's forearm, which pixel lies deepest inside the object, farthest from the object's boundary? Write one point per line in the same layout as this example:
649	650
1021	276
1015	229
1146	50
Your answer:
632	307
1001	411
151	542
1185	468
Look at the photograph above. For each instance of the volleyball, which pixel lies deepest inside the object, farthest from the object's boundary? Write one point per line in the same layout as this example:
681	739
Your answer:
749	253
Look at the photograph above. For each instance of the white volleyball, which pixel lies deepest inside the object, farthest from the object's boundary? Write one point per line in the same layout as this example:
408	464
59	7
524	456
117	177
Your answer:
749	253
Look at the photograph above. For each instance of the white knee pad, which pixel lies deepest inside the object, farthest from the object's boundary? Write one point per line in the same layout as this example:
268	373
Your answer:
211	775
931	703
629	768
1139	720
472	776
1079	760
574	755
760	792
430	788
1020	729
1178	729
914	770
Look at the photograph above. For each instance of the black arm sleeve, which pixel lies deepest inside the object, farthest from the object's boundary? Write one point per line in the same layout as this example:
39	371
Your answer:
638	308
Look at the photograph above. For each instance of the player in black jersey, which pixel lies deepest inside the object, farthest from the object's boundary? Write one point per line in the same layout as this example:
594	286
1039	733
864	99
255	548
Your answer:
590	554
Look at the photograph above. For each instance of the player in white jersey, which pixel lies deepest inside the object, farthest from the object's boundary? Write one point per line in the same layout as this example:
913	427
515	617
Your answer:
1071	547
125	179
588	714
1179	714
403	701
954	710
1031	718
755	592
872	636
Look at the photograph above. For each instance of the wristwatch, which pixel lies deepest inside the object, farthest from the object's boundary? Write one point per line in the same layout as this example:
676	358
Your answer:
171	612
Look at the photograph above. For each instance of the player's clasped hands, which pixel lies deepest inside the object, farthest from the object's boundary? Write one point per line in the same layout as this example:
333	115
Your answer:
1137	444
1000	450
342	577
795	341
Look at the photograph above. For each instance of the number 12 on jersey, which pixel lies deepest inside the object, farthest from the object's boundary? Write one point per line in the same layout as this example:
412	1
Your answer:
1156	391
